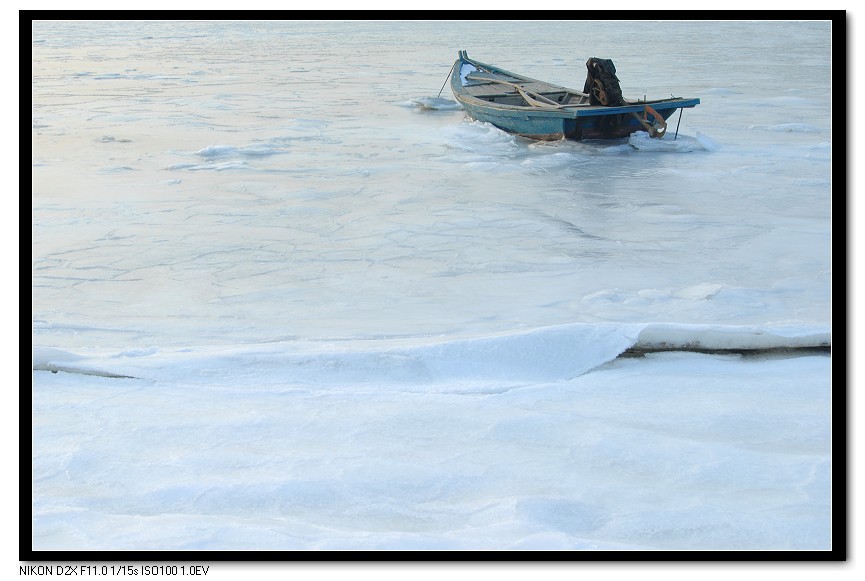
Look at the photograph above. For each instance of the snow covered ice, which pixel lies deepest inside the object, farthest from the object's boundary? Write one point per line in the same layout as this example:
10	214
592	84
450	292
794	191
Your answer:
287	297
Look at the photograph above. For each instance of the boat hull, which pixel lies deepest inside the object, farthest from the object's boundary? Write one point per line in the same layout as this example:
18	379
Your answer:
549	127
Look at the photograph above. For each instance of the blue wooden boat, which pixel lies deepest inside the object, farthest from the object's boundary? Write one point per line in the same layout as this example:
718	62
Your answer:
540	110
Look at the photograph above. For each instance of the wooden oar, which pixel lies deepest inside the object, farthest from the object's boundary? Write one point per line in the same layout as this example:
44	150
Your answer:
529	96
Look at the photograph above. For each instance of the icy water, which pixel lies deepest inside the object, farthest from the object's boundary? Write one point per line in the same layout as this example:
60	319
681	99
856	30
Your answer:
293	299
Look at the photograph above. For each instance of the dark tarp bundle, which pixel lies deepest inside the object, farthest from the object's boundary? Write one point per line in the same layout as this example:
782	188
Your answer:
602	84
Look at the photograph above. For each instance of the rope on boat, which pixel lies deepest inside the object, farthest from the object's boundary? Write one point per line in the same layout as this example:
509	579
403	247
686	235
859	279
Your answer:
446	79
656	129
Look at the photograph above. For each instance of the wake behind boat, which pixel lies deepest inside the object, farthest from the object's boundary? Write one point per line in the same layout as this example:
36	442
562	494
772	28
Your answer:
540	110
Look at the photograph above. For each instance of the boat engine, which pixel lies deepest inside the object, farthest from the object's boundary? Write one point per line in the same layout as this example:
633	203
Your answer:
602	84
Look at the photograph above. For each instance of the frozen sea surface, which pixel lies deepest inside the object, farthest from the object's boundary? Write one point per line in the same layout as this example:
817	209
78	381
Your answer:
286	296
